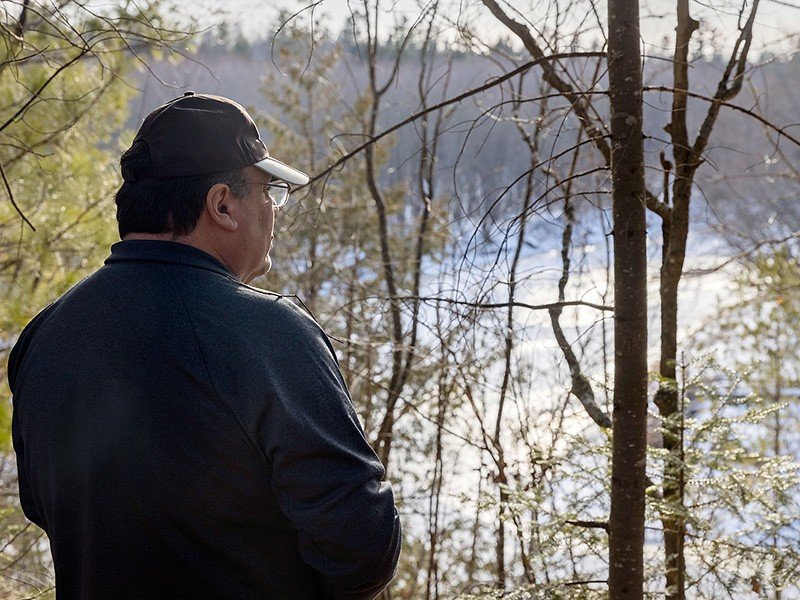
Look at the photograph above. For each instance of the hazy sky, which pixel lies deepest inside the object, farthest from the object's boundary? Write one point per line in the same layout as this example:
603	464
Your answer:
778	23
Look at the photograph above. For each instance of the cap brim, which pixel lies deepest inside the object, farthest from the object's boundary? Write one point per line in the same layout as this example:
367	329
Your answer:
282	171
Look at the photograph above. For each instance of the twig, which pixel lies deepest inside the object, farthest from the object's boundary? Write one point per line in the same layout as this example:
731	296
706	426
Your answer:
11	197
590	524
741	255
493	305
779	130
586	582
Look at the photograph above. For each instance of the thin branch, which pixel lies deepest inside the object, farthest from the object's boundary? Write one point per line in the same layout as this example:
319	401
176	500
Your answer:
47	82
756	116
657	206
11	198
726	90
495	305
449	101
586	582
552	77
589	524
311	7
743	255
581	387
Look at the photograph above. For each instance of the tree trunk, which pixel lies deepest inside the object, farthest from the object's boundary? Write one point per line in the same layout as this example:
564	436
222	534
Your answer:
626	523
675	232
673	520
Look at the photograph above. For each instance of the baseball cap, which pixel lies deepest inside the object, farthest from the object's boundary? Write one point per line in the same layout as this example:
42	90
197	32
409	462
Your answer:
196	134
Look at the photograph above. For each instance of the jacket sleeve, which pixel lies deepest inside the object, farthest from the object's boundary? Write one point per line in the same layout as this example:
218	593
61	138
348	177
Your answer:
326	477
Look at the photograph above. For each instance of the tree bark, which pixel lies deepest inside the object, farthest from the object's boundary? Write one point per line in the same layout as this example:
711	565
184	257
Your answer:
626	523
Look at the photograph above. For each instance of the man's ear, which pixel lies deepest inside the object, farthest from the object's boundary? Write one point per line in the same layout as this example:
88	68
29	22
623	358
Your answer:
221	208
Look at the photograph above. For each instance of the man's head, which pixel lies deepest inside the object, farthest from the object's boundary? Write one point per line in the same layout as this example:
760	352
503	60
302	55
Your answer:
197	173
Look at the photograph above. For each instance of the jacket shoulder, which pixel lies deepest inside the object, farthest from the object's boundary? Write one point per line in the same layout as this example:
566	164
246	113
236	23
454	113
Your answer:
282	311
24	341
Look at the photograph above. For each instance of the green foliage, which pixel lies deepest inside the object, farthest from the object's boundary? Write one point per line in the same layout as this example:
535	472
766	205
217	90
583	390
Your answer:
741	501
63	105
752	440
553	509
61	164
741	498
766	322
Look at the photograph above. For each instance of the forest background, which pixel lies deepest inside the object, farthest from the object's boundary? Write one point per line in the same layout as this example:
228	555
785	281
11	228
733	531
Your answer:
457	244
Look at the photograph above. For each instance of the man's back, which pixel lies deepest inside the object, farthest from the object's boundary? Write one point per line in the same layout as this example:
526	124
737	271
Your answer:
180	434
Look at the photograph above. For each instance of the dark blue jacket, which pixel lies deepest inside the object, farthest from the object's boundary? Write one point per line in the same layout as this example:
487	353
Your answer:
182	435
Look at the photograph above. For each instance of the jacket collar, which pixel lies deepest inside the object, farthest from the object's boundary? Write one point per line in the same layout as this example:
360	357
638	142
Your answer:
165	252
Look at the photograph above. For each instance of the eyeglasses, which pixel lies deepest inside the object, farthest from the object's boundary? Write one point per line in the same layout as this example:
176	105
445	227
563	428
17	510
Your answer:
278	192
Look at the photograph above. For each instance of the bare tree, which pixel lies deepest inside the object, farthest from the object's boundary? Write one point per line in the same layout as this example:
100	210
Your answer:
675	216
626	523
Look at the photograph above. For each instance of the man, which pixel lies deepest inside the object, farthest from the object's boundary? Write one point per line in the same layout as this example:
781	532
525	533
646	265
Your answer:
180	434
